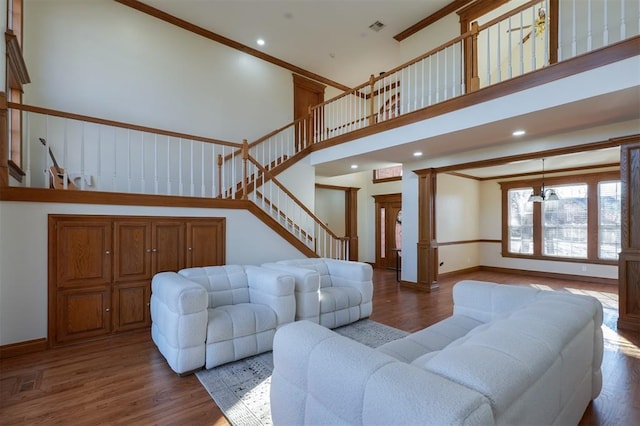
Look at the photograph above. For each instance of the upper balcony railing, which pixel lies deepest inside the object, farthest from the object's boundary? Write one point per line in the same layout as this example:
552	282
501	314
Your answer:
524	39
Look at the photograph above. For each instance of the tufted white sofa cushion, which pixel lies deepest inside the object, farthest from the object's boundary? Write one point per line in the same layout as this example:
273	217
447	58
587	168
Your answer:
213	315
508	355
328	291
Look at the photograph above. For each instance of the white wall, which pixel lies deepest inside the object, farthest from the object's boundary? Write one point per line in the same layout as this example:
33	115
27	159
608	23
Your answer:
366	207
104	59
457	219
330	208
23	255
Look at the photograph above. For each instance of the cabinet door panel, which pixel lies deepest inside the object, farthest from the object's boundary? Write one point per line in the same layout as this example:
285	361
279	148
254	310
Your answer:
205	243
131	306
82	253
168	246
83	313
132	247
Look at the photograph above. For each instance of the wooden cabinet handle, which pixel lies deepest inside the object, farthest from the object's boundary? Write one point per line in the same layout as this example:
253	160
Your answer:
107	252
108	310
189	248
154	250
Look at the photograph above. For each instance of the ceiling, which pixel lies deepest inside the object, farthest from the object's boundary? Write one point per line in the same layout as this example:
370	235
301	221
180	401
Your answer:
332	38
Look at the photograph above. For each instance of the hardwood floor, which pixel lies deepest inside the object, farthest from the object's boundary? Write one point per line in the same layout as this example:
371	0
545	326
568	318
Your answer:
124	380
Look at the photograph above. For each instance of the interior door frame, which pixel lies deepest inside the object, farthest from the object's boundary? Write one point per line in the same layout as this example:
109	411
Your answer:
384	201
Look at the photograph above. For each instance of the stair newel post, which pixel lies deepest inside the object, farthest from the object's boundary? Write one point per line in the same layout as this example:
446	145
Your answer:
372	82
472	58
245	157
310	125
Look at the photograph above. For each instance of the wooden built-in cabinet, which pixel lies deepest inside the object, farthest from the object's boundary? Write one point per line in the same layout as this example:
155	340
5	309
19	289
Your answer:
100	268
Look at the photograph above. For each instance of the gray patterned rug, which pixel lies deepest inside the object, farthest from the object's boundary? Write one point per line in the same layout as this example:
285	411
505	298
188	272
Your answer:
241	388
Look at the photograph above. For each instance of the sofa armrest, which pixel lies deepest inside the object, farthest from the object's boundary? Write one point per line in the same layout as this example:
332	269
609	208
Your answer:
306	292
179	294
320	377
358	275
274	289
179	320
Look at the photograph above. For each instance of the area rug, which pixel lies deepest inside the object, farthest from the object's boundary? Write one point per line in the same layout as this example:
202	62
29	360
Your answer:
241	388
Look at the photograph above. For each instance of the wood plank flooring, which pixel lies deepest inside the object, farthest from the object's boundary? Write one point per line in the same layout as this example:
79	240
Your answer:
123	380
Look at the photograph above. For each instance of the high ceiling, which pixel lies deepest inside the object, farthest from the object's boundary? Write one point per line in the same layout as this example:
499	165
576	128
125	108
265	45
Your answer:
332	38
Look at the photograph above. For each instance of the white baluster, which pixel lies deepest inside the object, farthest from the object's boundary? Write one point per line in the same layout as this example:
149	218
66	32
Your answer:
143	188
98	183
180	177
169	192
192	185
430	97
28	153
533	39
605	29
589	27
82	156
445	75
488	82
213	170
129	160
202	189
155	164
114	180
47	159
623	24
65	176
499	55
437	76
574	23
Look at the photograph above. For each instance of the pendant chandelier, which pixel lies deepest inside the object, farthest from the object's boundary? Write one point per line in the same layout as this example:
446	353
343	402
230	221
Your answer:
545	194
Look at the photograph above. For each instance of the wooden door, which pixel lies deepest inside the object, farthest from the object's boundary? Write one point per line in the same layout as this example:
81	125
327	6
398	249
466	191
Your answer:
388	230
306	93
80	251
205	242
131	302
132	248
167	251
83	313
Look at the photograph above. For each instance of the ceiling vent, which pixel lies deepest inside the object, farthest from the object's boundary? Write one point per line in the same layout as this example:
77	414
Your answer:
376	26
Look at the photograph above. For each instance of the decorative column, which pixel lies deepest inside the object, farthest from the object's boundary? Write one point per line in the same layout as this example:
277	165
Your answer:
629	261
4	144
427	243
351	221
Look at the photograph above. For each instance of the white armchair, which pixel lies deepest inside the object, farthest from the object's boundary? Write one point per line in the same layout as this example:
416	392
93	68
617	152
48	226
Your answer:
213	315
330	292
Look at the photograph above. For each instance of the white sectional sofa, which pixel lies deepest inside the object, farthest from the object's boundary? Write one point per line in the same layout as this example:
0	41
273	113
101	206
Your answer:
508	355
213	315
330	292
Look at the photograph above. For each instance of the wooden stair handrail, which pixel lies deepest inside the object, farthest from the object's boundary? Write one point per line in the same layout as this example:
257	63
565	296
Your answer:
80	117
265	172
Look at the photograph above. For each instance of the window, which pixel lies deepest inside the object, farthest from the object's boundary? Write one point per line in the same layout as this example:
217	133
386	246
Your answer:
583	225
520	221
564	228
609	202
387	174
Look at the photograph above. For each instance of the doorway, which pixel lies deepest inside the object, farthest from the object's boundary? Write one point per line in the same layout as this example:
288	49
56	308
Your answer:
388	230
306	93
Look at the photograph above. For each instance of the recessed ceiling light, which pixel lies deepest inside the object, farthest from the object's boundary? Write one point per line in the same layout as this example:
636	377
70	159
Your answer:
518	133
354	166
260	42
417	154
